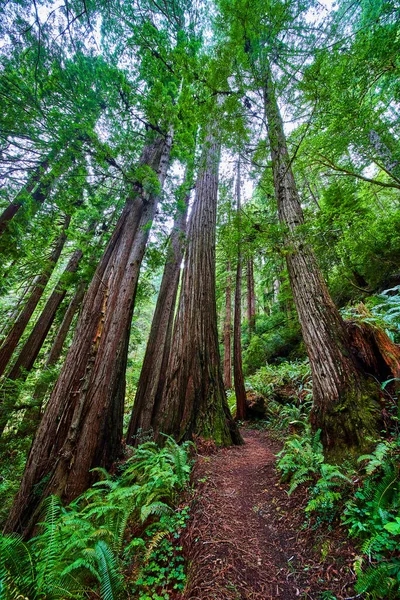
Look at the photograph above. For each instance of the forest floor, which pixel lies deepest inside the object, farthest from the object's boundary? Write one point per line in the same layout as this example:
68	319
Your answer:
246	538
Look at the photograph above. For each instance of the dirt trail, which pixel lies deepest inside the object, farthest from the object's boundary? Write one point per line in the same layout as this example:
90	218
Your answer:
242	541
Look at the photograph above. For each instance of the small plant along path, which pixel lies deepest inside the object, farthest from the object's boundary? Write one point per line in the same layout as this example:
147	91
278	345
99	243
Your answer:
245	542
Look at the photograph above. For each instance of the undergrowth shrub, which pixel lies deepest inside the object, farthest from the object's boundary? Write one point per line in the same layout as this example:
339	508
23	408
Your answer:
288	382
383	311
287	394
367	501
372	515
274	338
85	546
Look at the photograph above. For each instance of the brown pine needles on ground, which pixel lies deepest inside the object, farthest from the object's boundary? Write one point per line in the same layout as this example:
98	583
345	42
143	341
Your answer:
245	539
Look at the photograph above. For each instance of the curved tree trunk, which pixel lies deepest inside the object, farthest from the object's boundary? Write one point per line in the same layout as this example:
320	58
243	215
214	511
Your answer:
228	330
82	424
32	415
35	341
251	298
240	392
73	307
151	380
345	402
15	333
194	401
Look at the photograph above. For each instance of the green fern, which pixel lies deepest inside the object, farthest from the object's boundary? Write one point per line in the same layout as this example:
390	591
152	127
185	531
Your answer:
379	581
111	581
81	547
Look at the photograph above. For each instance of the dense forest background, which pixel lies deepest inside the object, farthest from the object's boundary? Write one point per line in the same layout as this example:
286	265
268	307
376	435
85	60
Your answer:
199	227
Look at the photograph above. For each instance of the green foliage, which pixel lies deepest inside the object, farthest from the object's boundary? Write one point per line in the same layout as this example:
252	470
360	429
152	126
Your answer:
84	545
328	492
368	503
383	311
377	502
275	339
163	570
285	382
300	459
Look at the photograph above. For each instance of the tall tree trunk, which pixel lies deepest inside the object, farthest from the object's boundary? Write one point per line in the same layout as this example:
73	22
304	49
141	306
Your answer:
240	392
15	333
345	404
194	401
38	194
228	330
73	307
82	424
152	375
35	341
251	298
32	415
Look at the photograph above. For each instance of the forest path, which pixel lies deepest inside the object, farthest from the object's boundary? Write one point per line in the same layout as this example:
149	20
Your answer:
244	541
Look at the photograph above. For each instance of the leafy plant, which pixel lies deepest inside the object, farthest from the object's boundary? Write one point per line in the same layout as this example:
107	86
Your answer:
301	459
328	492
83	546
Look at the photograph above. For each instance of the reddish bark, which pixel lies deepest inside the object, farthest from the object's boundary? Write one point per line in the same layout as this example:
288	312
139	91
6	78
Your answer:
73	307
152	375
82	424
32	415
35	341
228	331
251	298
39	333
345	404
194	401
240	391
379	356
15	333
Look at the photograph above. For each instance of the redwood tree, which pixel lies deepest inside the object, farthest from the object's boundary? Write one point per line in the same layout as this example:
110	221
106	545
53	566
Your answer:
82	424
228	329
36	187
251	297
240	392
345	401
32	413
194	401
152	375
11	341
35	341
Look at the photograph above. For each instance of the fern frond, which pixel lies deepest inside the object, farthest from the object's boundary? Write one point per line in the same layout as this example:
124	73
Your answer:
156	508
110	579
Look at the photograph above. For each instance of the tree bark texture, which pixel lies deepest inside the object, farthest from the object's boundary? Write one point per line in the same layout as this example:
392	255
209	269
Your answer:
15	333
32	415
240	391
251	298
73	307
35	341
228	330
345	405
152	375
82	424
194	401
